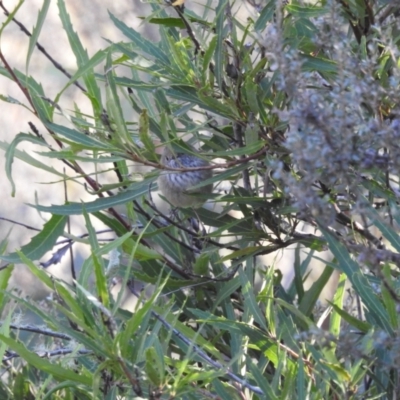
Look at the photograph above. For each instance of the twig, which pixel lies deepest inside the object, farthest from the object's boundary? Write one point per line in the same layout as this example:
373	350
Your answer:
20	223
40	331
42	49
190	32
48	354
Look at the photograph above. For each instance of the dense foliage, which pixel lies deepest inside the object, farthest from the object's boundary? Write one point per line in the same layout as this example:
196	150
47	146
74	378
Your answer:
297	109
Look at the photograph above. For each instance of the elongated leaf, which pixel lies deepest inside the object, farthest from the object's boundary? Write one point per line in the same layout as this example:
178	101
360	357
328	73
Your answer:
36	30
265	16
311	296
27	158
358	324
335	319
136	191
134	322
5	275
71	155
387	297
82	57
262	382
208	55
10	153
359	281
77	137
168	22
387	231
114	107
144	132
98	263
84	69
146	47
41	363
42	242
219	50
40	273
307	11
250	300
318	64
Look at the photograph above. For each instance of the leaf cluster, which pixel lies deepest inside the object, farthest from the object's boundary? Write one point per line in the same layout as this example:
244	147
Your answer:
297	110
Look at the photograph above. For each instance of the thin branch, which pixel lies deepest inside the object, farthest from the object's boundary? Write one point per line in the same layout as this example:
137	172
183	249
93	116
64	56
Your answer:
47	354
20	223
42	49
40	331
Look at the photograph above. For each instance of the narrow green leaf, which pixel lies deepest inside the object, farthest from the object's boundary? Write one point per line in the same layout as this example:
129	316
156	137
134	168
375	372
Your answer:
140	85
168	22
301	319
42	364
152	367
40	273
136	191
219	49
73	38
12	100
221	391
224	107
301	381
10	154
99	268
138	316
90	158
256	336
266	15
251	91
11	16
70	301
261	381
84	69
76	137
387	231
335	318
306	11
208	54
81	58
297	287
318	64
27	158
42	242
388	298
359	282
5	275
309	299
7	317
114	107
147	48
144	132
250	300
36	30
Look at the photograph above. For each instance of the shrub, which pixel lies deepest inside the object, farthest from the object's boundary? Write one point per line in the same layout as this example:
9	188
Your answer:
297	108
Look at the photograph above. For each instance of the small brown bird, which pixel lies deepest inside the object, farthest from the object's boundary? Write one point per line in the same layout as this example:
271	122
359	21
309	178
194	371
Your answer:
176	185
